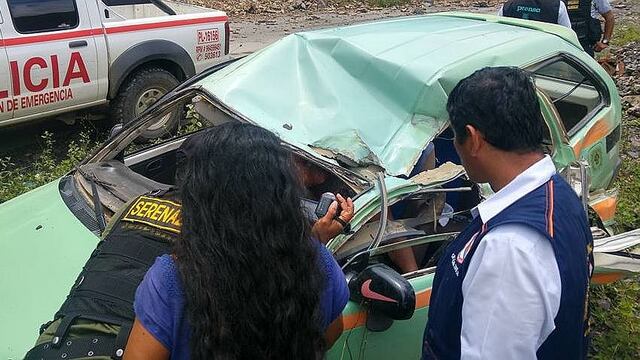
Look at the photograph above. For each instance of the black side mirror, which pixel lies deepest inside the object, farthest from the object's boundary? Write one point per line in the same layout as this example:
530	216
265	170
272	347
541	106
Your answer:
385	292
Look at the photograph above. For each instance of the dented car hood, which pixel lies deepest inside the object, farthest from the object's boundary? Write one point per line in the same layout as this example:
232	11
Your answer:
370	94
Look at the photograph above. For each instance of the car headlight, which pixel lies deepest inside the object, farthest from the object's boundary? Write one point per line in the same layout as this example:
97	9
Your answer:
577	175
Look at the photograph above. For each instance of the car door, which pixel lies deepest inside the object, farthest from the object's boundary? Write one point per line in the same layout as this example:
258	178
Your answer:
52	56
6	103
583	100
369	334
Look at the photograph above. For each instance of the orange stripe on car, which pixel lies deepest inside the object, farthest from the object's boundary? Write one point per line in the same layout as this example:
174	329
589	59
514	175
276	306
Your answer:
605	278
359	318
598	131
606	208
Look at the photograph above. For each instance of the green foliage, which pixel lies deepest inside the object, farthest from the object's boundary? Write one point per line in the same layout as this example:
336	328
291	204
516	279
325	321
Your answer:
46	166
625	33
615	310
628	180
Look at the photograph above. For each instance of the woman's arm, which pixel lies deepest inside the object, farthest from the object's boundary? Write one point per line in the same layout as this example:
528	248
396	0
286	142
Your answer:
142	345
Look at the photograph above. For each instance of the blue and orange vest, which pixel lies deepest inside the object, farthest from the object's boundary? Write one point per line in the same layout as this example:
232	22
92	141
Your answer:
554	210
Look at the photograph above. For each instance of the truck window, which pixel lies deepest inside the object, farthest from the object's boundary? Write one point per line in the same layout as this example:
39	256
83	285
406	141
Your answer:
33	16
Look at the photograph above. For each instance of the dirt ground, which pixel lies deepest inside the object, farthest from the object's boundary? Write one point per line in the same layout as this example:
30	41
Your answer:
251	32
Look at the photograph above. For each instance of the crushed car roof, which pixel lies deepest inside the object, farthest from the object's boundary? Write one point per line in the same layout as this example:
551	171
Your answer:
372	94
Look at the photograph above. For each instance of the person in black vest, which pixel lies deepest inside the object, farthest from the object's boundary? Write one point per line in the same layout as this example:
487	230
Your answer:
514	283
96	319
585	22
551	11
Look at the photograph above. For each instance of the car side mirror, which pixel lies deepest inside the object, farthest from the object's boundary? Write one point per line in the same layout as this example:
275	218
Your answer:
384	291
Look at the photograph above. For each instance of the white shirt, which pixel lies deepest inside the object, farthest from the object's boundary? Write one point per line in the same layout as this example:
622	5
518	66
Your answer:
600	7
512	287
563	15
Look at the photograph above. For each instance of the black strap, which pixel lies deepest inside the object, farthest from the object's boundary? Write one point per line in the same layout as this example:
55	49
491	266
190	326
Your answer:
111	287
62	330
121	340
140	250
99	345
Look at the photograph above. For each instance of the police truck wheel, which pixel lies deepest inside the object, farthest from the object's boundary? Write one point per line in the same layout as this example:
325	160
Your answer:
141	90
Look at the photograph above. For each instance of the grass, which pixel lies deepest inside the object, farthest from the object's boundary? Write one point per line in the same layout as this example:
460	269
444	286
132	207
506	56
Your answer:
628	181
615	310
45	165
625	33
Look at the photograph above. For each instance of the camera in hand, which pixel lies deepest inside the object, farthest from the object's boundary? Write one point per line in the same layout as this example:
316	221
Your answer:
323	205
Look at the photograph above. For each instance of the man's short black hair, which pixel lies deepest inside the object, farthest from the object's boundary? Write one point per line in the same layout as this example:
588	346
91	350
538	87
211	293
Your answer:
500	102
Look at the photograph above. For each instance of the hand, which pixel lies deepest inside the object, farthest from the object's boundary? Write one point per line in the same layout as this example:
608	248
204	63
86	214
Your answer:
599	46
327	227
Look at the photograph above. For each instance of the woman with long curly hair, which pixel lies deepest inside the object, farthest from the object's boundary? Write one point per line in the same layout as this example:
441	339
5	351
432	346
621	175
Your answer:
246	279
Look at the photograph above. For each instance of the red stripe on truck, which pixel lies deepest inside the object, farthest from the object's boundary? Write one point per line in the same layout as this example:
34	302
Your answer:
164	24
23	40
32	39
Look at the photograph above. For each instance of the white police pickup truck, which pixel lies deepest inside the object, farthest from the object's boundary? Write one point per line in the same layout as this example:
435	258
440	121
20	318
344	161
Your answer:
59	56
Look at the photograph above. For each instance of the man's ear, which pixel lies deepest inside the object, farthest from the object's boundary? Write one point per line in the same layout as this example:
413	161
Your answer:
475	139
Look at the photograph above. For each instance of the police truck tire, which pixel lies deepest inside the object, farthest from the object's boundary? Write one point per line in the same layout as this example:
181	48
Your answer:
141	89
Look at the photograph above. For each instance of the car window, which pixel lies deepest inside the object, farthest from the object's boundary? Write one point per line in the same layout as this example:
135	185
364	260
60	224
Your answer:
33	16
153	153
571	88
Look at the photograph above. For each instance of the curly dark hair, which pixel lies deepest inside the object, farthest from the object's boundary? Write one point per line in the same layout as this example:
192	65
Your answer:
500	102
249	268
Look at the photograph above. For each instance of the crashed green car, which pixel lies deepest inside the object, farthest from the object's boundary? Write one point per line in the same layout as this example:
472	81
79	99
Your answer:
361	102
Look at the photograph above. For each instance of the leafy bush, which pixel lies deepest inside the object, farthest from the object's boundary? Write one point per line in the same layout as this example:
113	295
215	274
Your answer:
46	167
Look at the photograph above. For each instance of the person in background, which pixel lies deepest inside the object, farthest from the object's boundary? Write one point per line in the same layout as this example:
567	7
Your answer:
602	8
514	283
315	180
584	15
551	11
245	280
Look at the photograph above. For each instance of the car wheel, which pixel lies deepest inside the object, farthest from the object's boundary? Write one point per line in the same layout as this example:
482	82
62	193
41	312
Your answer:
142	89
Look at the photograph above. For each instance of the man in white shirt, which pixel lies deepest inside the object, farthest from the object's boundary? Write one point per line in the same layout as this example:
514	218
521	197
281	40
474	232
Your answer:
585	21
514	284
604	9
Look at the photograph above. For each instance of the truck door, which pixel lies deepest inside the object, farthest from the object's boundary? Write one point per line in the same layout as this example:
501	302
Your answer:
6	109
52	56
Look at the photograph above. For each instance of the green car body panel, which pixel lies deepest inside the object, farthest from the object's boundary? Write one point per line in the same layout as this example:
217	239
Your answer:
44	247
382	87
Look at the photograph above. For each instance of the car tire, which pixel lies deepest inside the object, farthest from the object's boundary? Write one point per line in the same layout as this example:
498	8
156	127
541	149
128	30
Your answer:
142	89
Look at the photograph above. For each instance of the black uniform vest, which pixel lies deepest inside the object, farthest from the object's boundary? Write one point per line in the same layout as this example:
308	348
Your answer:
105	289
538	10
587	28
